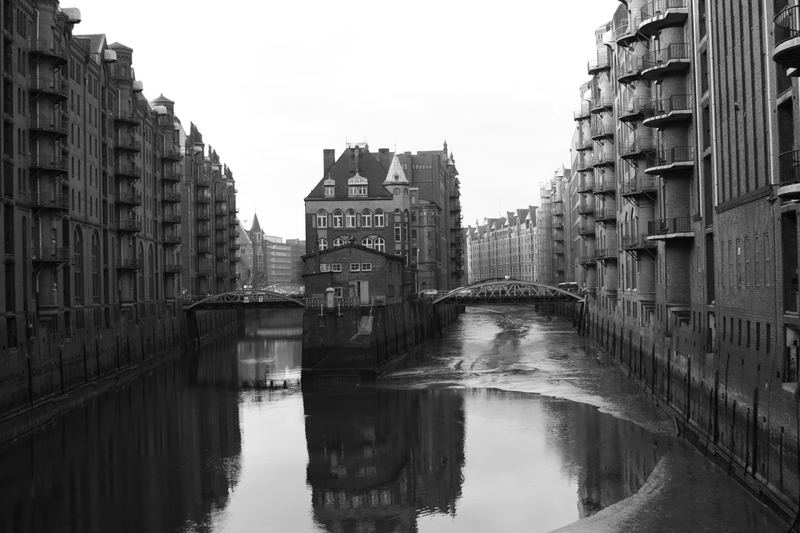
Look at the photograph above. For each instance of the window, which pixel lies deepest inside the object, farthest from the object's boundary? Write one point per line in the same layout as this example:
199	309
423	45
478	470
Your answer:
366	218
350	219
329	188
366	267
324	267
367	242
337	292
379	218
355	267
357	186
323	243
398	231
379	244
338	241
322	219
337	219
336	267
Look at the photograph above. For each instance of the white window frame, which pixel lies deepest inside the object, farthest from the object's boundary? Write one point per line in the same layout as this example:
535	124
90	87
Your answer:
337	292
366	267
323	243
366	219
379	244
322	219
380	218
355	267
350	219
367	242
338	219
336	267
324	267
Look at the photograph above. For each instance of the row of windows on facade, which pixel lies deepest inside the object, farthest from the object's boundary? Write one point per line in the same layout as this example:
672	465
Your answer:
373	243
337	267
351	219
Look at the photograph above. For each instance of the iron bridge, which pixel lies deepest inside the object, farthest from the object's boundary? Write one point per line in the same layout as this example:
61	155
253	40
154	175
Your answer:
507	291
248	298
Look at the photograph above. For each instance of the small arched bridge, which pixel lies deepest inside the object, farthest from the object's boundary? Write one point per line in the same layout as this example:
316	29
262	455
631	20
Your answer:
507	291
248	298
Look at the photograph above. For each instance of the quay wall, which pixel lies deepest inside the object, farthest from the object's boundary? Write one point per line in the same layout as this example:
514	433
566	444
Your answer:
747	426
364	342
47	375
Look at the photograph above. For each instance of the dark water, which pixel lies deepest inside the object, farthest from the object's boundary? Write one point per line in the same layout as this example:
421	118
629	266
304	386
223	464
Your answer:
509	423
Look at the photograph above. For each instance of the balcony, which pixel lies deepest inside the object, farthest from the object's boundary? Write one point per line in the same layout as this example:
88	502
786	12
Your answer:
172	267
51	85
49	200
602	62
627	31
171	219
602	129
585	161
203	215
172	239
584	143
670	228
130	264
171	175
50	254
787	38
605	214
664	61
50	49
52	163
677	107
203	231
585	208
234	222
662	13
127	169
203	197
588	260
583	112
203	248
129	143
132	198
172	155
640	187
127	117
636	244
601	103
204	272
586	183
633	109
789	175
171	198
203	181
638	148
58	125
607	254
605	183
603	158
129	225
629	68
675	159
586	228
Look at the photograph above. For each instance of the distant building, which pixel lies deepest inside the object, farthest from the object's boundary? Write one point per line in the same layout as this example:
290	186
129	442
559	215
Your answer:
504	246
268	260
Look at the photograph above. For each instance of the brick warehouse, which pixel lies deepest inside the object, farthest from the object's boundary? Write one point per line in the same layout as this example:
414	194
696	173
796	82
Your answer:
684	190
101	194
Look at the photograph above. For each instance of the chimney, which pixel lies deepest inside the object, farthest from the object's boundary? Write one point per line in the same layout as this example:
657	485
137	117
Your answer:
328	159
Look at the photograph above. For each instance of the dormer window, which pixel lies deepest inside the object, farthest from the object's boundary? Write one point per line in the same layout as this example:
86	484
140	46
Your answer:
357	186
329	187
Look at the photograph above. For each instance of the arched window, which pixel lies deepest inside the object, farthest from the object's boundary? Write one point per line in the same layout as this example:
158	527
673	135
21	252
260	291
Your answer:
322	219
341	241
77	265
379	218
357	186
367	242
337	219
380	244
329	188
323	243
366	218
350	219
95	268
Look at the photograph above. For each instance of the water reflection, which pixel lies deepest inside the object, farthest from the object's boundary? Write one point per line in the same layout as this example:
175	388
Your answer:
271	348
158	454
377	458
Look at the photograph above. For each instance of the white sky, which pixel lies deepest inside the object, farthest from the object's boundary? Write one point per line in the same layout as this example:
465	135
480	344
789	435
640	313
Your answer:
270	84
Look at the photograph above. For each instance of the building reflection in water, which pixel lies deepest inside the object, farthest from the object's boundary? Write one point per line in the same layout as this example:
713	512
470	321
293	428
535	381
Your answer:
271	347
380	458
158	454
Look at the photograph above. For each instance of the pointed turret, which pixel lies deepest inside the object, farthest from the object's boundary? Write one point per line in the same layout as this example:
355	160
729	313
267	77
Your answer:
395	176
255	227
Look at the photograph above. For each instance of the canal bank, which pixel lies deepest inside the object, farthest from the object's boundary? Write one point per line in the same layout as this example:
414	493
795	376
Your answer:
48	375
748	427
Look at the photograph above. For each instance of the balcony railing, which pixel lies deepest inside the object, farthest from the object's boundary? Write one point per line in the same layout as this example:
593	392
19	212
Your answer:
172	219
586	183
59	163
638	185
607	253
663	56
49	48
586	228
638	147
130	224
636	242
128	142
789	167
129	263
787	34
605	214
675	107
585	208
128	169
658	7
172	239
57	124
127	117
129	198
49	200
665	226
50	254
626	30
172	155
51	85
583	112
602	61
173	267
601	128
172	197
605	183
675	156
601	102
629	68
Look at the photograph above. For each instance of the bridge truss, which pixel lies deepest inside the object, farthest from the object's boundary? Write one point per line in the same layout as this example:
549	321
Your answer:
248	298
507	291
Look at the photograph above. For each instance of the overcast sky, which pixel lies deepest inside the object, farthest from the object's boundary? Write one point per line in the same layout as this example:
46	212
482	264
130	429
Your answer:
270	84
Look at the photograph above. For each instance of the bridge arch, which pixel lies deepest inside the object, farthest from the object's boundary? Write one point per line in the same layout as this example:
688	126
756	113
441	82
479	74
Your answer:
244	299
508	291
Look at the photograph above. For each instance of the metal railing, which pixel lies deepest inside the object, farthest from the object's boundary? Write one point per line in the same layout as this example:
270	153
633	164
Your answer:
586	183
638	146
50	84
49	200
639	184
653	9
787	24
48	253
49	162
130	197
672	156
789	167
602	61
583	112
676	102
664	226
129	263
664	55
56	123
127	168
130	224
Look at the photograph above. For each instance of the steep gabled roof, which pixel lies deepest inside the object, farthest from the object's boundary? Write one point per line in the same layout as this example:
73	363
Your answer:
255	226
369	166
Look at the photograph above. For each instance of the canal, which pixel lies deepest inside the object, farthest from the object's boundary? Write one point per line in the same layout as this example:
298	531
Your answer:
509	423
